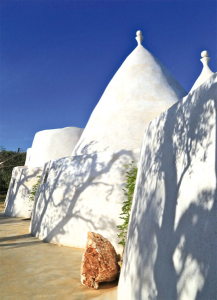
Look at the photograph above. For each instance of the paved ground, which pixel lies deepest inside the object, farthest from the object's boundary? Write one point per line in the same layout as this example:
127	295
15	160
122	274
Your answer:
31	269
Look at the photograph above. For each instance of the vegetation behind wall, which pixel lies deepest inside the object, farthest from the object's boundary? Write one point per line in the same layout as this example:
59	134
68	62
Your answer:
10	160
34	189
128	191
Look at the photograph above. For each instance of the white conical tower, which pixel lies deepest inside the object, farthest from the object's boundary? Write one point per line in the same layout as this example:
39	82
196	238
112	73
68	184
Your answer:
206	72
141	89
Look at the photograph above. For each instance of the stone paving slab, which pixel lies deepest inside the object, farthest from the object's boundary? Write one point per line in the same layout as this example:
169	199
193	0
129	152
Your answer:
32	269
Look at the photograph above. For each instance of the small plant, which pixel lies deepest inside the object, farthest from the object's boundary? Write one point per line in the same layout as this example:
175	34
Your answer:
126	208
34	189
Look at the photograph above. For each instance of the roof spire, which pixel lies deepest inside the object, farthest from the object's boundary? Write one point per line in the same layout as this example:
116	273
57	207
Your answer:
139	37
205	60
206	72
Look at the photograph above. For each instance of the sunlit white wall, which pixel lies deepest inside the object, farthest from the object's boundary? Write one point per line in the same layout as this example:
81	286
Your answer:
53	144
171	245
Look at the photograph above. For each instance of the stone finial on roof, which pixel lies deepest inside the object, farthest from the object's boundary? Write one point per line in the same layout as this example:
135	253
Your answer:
205	60
139	37
206	72
204	53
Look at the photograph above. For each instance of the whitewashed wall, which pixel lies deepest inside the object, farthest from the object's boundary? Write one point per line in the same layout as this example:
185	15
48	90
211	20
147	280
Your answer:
80	194
172	240
47	145
17	201
28	155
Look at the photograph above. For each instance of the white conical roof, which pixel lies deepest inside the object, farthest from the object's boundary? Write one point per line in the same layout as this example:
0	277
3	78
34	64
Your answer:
206	72
141	89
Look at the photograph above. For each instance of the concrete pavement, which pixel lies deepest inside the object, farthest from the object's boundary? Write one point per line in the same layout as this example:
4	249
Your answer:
32	269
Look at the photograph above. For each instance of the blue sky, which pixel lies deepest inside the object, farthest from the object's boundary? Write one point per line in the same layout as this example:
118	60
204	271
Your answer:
57	57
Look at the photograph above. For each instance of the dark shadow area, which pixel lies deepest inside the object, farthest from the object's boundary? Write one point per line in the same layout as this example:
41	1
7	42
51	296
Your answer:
19	245
7	219
16	237
108	285
172	238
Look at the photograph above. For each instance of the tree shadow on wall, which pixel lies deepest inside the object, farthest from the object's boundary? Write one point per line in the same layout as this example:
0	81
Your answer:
18	191
62	205
172	239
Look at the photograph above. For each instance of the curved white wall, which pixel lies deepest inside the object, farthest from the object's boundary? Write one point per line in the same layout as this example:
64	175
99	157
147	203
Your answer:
53	144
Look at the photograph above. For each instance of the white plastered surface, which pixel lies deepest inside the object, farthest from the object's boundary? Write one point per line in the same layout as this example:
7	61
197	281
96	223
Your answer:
17	201
53	144
140	90
80	194
172	239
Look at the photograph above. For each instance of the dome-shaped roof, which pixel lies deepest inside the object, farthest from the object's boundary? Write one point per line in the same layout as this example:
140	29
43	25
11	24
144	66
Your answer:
53	144
141	89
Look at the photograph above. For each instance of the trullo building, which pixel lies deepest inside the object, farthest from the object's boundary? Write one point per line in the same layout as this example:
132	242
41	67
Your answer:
171	245
83	192
47	145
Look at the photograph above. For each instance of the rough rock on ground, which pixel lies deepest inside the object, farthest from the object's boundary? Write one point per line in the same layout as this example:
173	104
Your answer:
99	262
27	263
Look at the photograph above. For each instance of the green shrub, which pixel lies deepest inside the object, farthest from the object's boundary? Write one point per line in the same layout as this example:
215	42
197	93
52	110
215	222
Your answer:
34	189
9	160
126	208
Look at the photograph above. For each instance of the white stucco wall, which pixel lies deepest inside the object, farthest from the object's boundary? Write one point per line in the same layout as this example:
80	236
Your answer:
17	201
141	89
53	144
81	193
47	145
172	239
28	155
